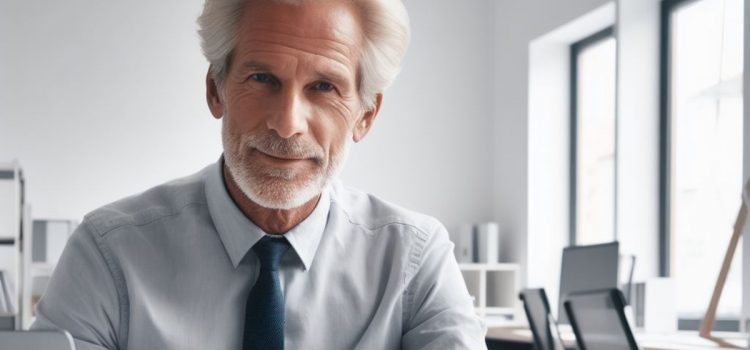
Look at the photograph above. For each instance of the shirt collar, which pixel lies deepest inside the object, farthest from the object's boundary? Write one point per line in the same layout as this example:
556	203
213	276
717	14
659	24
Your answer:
239	234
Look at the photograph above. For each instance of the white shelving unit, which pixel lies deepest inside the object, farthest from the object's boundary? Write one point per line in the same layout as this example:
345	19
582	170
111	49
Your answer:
494	288
14	223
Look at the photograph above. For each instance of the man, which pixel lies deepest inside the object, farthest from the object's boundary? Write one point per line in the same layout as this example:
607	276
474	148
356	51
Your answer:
264	250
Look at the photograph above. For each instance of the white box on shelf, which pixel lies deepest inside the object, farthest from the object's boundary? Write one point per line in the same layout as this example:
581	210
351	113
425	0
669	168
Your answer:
488	238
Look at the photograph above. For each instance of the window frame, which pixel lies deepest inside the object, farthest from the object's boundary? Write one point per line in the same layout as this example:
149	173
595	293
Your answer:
575	50
665	134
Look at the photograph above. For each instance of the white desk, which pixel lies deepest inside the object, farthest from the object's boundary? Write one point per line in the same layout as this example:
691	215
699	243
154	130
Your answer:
671	341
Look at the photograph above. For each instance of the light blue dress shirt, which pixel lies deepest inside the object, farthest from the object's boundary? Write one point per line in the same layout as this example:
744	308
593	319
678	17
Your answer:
171	268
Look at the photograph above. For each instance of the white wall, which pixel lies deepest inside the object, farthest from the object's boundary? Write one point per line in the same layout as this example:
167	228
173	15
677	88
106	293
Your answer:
746	172
549	162
549	146
746	91
99	100
431	147
638	133
517	24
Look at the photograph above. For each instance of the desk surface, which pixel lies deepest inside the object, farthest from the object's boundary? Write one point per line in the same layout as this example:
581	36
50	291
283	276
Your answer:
671	341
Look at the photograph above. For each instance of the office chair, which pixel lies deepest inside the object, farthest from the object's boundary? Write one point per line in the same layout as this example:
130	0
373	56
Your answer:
587	267
542	325
598	320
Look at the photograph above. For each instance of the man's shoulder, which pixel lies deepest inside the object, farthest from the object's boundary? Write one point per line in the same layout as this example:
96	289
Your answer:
374	213
157	202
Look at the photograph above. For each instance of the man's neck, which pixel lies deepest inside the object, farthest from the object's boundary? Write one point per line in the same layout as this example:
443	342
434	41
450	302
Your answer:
271	221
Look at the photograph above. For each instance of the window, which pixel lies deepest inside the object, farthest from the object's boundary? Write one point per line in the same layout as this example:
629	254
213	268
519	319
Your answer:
702	49
593	139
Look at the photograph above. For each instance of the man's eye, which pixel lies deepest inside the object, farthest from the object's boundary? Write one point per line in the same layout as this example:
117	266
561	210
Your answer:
323	86
261	78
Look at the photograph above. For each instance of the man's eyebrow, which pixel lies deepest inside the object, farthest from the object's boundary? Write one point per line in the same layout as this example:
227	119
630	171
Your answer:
255	66
330	74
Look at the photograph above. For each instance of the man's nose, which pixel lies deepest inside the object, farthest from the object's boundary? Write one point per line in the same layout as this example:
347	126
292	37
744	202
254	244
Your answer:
290	116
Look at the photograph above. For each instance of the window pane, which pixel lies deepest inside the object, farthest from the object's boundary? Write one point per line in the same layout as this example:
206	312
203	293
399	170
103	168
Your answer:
596	143
706	150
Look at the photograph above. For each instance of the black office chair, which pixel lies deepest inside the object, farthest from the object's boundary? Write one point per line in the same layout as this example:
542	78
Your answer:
598	320
542	325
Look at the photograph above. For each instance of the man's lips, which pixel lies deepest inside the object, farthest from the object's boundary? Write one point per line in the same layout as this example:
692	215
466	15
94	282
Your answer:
281	157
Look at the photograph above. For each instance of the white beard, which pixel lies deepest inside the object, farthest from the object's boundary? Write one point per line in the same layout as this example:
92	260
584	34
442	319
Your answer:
279	188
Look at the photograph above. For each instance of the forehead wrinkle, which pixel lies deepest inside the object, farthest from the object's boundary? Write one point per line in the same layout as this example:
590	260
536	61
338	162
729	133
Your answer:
342	52
252	65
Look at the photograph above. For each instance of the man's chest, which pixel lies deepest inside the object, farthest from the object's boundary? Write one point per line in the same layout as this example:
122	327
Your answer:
348	299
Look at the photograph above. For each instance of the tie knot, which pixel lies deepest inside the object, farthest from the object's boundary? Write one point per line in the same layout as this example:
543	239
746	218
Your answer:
270	250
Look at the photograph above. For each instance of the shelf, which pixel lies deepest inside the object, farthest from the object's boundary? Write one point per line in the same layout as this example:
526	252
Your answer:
13	211
500	310
494	288
492	267
492	320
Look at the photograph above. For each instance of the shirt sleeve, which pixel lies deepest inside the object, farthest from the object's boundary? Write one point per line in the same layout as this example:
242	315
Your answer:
82	296
441	313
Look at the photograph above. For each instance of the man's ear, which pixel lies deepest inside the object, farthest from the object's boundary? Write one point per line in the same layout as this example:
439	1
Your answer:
213	97
365	122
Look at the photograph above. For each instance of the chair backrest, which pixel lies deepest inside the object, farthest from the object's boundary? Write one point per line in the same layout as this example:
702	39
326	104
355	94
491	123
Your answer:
587	267
598	320
541	322
48	340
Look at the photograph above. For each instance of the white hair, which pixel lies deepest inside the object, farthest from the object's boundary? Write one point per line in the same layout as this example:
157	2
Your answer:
386	37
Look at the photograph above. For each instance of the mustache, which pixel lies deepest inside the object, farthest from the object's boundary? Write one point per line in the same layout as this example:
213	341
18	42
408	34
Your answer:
292	148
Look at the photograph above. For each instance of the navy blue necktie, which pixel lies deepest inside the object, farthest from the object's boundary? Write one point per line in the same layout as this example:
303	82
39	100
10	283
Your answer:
264	313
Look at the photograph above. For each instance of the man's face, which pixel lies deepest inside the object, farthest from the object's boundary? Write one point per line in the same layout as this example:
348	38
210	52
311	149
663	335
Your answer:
290	99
